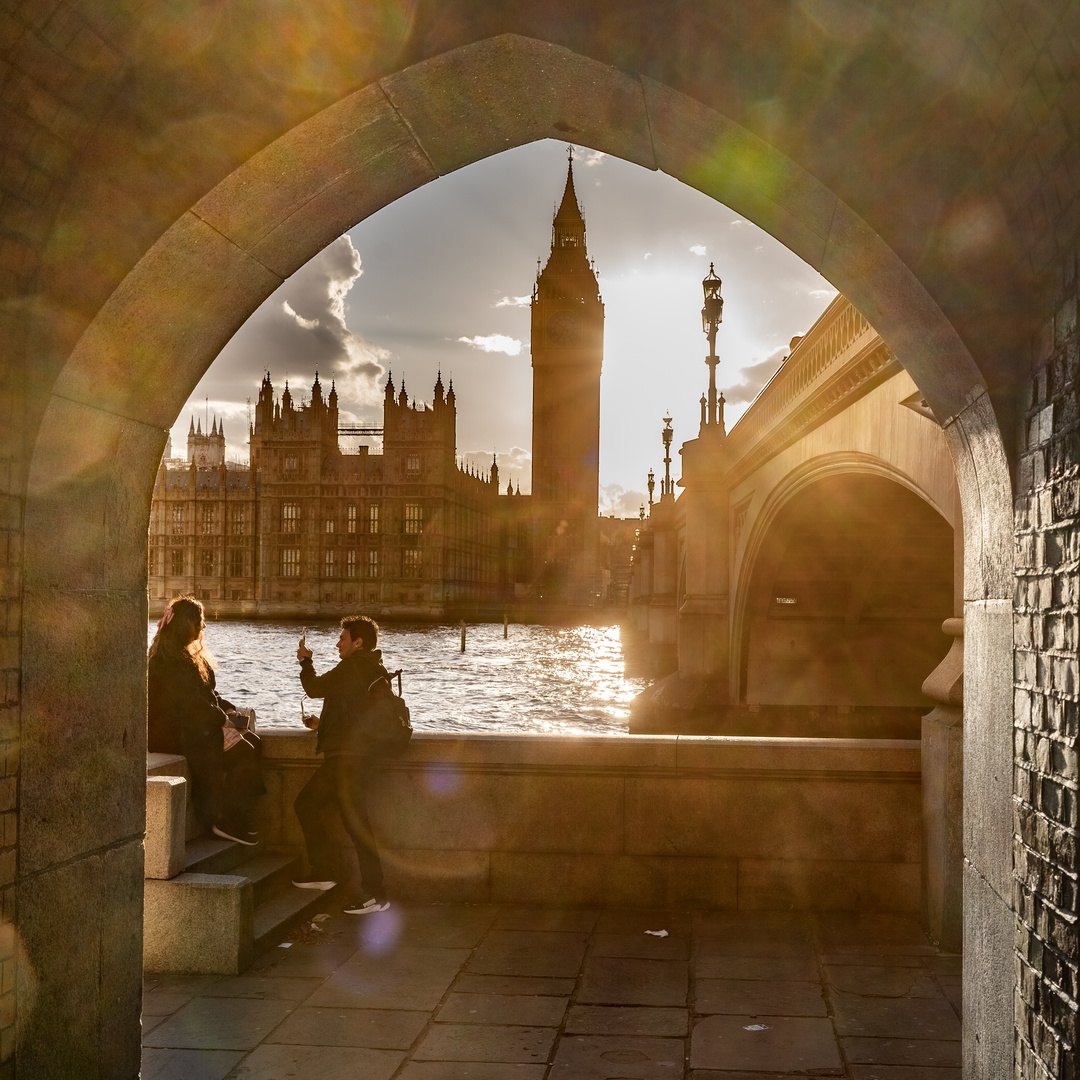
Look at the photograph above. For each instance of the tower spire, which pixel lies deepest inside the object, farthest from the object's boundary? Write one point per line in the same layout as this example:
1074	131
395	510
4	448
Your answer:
569	211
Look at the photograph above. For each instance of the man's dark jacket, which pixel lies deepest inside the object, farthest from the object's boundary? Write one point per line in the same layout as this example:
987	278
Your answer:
344	689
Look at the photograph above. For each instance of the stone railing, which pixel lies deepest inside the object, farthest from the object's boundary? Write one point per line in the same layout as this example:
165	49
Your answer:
841	355
724	822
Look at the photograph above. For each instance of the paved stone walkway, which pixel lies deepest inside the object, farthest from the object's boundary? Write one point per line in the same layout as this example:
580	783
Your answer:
505	993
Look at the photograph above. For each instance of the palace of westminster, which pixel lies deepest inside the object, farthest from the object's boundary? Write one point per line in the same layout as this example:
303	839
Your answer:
306	528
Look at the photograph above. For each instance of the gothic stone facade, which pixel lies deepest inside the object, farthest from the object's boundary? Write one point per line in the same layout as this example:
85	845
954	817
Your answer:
307	529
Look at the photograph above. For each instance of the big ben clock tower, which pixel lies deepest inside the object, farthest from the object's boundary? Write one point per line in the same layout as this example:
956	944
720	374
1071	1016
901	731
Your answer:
567	353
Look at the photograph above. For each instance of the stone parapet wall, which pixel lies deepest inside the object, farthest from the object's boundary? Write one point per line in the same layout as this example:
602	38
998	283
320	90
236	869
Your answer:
709	822
1046	685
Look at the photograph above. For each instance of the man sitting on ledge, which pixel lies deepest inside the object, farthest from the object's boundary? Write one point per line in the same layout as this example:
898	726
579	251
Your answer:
341	782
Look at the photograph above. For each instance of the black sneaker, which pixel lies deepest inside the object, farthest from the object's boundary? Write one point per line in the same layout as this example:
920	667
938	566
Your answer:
313	882
241	836
366	906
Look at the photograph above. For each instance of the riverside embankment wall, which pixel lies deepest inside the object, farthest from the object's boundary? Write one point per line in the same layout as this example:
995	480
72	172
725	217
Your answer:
724	822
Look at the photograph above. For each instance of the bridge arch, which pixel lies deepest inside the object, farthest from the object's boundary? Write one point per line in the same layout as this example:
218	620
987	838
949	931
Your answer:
104	421
810	480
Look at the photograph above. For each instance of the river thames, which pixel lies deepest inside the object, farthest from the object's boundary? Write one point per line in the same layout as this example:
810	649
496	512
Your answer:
540	679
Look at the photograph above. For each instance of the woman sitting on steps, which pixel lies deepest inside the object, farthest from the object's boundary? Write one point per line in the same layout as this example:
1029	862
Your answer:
186	715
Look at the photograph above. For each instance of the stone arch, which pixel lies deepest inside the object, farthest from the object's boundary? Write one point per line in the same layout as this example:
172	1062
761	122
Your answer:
794	485
103	428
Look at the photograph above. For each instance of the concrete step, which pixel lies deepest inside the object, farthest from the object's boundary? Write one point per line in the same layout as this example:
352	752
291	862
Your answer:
210	854
277	915
268	874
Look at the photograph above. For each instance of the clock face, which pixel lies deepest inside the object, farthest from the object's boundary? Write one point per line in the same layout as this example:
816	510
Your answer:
564	328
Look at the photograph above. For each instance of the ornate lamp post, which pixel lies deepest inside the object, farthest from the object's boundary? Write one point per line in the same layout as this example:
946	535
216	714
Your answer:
667	487
652	487
712	314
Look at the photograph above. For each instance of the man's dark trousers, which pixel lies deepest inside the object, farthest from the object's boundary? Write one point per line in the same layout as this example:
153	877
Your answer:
340	786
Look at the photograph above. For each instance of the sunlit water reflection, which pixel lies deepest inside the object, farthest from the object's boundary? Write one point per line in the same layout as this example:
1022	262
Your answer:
541	679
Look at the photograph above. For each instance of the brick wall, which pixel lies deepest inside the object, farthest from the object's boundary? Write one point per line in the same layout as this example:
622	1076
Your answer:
1047	681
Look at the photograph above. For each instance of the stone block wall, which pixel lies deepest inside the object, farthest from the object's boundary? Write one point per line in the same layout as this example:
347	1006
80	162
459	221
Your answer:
1046	685
695	821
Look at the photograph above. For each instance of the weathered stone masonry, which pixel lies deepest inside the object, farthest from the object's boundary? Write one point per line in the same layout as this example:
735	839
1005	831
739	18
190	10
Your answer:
1047	682
54	79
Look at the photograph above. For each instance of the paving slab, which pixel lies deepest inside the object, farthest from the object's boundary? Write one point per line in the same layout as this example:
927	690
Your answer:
448	927
470	1070
188	1064
903	1072
502	1009
924	1052
518	952
712	1074
902	1018
597	1057
266	987
415	959
640	946
304	961
566	920
192	985
758	998
474	1042
777	1044
638	920
275	1062
945	964
381	1029
883	982
627	1020
359	989
952	986
634	982
219	1024
164	1003
870	931
863	958
514	984
756	945
766	968
721	923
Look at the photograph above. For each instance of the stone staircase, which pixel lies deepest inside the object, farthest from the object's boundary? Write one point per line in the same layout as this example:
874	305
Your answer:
210	905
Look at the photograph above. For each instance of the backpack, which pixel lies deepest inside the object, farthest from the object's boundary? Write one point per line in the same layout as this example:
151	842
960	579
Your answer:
385	724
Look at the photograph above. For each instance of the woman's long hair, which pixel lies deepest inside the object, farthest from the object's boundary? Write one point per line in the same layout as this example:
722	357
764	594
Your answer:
179	636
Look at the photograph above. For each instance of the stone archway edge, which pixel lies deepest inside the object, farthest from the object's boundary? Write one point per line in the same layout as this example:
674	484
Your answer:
273	213
101	436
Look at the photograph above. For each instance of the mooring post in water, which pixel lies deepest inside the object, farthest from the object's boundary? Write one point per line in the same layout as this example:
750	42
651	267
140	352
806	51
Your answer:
462	635
506	625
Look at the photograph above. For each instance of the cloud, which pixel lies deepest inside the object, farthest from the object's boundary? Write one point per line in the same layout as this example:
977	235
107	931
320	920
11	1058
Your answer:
822	294
698	249
589	158
301	329
514	466
648	254
754	377
494	343
615	499
514	301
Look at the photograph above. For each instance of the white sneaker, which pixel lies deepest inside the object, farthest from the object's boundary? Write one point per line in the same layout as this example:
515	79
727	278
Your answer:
313	883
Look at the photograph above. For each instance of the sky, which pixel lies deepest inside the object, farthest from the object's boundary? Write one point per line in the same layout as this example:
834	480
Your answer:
441	278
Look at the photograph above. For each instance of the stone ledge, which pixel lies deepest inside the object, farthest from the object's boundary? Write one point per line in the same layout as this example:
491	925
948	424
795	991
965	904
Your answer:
678	754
